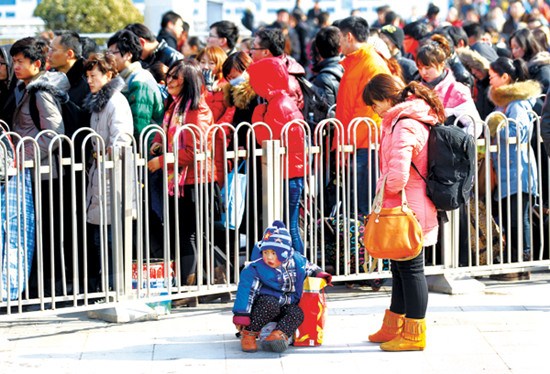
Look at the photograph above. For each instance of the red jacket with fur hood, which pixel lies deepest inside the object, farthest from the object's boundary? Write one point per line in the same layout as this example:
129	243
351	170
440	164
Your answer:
269	79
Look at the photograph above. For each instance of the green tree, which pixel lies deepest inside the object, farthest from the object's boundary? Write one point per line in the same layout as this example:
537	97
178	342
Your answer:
88	16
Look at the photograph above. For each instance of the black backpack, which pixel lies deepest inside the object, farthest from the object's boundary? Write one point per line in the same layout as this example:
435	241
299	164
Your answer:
451	166
315	108
72	114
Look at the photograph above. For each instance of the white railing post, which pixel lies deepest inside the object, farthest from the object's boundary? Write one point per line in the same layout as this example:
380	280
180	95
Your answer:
271	181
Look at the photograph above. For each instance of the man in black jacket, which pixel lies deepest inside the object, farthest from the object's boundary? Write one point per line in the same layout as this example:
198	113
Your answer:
327	70
153	50
173	29
65	56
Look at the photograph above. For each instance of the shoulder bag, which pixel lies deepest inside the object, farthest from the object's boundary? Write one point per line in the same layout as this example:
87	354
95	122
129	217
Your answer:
392	233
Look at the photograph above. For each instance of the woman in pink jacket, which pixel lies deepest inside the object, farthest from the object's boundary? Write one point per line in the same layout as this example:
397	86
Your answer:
406	112
456	97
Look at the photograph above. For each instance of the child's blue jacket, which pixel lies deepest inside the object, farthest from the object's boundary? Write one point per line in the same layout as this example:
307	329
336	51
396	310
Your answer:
285	282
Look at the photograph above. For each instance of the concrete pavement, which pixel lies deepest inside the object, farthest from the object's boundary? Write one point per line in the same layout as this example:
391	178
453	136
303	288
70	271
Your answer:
504	329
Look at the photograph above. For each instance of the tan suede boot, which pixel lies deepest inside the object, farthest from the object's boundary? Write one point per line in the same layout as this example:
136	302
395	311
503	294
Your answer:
412	338
248	341
391	327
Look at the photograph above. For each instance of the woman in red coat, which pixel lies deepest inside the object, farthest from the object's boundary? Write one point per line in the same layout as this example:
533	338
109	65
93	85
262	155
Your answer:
186	105
269	79
211	60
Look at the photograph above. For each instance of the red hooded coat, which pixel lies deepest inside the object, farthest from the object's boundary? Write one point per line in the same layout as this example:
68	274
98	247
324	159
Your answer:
269	79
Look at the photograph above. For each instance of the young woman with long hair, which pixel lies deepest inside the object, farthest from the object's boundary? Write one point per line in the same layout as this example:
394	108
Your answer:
406	112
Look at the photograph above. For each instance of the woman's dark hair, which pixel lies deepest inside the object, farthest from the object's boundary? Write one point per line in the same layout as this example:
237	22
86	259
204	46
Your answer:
193	83
435	51
526	41
237	60
516	69
541	38
105	62
385	86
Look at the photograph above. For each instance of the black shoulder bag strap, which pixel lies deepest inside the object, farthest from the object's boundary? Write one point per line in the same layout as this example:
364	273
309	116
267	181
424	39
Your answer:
33	109
412	163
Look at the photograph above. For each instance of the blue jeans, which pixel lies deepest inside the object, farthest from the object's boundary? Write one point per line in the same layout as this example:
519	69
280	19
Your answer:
365	191
295	189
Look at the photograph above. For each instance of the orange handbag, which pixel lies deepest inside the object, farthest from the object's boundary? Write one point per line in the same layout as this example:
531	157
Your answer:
392	233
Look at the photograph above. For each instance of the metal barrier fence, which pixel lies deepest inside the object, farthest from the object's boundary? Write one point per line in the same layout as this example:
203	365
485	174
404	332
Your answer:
151	239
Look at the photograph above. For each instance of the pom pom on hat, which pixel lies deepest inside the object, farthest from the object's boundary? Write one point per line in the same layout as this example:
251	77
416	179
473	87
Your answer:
277	238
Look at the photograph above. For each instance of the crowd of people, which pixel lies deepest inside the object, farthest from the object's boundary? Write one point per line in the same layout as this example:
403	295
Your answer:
478	61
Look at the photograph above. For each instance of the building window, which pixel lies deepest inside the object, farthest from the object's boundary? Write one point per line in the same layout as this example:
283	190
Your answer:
7	2
10	14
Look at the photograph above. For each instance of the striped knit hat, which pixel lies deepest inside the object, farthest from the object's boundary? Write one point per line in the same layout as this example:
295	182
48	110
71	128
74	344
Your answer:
277	238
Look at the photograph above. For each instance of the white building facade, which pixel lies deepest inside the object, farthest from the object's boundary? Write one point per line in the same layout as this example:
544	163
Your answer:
16	18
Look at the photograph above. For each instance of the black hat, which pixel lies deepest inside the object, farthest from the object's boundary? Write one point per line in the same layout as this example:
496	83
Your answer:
395	34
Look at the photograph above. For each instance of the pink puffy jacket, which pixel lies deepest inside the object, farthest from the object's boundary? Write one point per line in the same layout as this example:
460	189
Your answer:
403	139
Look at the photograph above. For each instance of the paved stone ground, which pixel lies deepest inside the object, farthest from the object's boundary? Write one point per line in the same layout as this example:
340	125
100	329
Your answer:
504	329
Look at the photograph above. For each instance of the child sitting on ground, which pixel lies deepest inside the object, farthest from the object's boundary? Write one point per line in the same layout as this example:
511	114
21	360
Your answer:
270	289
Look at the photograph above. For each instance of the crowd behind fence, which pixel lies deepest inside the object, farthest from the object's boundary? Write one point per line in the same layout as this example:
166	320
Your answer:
47	256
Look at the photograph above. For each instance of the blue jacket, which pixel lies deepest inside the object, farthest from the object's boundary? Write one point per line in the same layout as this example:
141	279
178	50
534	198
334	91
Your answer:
516	101
285	282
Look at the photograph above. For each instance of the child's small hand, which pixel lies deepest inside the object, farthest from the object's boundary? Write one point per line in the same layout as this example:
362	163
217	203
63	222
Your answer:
327	276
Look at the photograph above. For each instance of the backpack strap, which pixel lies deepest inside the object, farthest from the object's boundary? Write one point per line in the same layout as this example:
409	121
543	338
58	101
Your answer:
448	94
421	176
33	109
412	163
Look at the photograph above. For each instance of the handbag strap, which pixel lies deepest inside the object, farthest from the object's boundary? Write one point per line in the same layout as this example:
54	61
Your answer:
242	167
379	198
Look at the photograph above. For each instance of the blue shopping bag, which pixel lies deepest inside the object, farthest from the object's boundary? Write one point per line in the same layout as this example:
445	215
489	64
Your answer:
234	198
17	234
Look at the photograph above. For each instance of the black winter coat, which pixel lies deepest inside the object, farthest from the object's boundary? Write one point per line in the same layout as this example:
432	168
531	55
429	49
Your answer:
170	39
408	68
163	53
327	79
460	72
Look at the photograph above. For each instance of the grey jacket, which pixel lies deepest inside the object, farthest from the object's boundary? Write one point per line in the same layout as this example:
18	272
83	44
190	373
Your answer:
111	119
50	90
